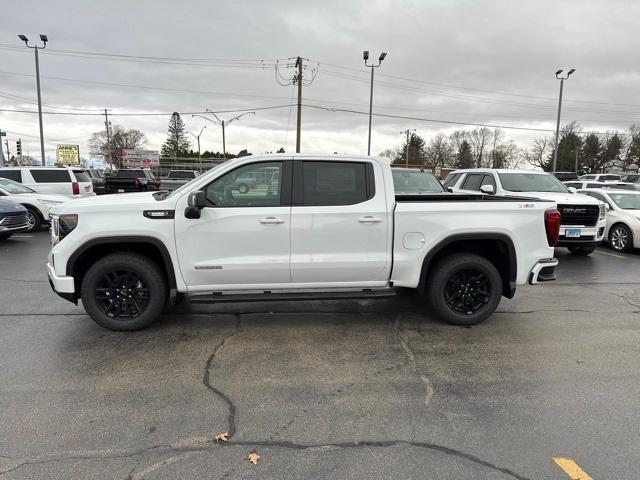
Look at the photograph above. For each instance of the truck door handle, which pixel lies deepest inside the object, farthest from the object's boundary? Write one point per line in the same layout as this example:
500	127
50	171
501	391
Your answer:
271	220
369	219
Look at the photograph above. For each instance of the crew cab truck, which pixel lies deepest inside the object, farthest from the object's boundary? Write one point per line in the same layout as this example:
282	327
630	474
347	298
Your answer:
583	218
329	228
176	178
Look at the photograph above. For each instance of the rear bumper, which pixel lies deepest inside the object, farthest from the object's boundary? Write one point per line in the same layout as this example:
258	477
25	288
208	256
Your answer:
543	271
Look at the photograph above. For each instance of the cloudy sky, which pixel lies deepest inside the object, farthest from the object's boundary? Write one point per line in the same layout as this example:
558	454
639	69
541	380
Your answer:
483	62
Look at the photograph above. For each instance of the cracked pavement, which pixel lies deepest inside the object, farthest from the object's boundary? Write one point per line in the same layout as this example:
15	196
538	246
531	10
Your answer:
374	389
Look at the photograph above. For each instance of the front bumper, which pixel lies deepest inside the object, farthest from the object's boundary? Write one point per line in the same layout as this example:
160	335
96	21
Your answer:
16	229
588	235
58	283
543	271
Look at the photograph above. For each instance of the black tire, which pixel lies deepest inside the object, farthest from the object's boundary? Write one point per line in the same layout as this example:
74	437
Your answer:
129	276
34	219
582	250
4	236
620	238
449	274
243	188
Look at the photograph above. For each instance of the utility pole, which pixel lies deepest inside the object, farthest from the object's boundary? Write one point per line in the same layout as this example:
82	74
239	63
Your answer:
365	56
555	147
406	153
197	137
224	141
298	79
44	40
106	126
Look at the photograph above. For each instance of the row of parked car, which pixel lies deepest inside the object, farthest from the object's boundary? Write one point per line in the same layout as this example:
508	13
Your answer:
37	189
593	208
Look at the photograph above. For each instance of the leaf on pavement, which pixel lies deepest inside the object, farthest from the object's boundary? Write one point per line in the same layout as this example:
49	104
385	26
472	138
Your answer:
223	437
254	457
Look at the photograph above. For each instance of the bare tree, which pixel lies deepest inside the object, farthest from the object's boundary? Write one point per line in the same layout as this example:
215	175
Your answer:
457	137
505	155
440	151
537	154
121	138
498	137
479	138
390	153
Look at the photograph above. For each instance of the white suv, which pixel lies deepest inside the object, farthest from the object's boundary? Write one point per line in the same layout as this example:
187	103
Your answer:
69	181
583	218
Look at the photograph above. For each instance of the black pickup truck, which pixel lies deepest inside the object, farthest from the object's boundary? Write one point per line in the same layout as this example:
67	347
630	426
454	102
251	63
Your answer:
135	180
13	219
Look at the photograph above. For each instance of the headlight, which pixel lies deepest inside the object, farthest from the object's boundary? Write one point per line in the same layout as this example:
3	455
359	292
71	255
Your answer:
603	211
61	226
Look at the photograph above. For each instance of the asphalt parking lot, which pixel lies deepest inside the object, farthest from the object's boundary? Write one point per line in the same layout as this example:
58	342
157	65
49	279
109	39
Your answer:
324	390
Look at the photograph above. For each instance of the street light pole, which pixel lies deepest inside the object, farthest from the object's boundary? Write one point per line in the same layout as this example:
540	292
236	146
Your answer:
44	40
222	124
365	57
555	147
197	137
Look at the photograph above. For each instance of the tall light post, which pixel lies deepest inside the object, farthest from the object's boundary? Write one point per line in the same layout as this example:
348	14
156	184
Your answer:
35	48
365	57
222	124
197	137
555	147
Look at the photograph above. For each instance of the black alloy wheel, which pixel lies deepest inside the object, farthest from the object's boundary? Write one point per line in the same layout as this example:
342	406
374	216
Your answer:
122	294
467	291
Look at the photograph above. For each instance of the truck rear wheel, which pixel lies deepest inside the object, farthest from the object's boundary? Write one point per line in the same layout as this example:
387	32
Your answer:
464	289
124	291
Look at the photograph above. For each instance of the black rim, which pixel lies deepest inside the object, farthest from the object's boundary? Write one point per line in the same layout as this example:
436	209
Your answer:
122	294
467	291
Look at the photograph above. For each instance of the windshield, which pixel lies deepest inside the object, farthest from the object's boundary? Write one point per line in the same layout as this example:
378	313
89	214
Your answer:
414	181
13	188
626	201
187	186
531	182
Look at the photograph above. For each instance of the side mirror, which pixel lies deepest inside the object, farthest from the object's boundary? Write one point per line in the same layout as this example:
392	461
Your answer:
572	189
196	202
607	206
488	189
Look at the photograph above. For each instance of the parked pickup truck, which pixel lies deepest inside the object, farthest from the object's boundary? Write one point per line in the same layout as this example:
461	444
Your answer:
583	218
332	229
177	178
140	180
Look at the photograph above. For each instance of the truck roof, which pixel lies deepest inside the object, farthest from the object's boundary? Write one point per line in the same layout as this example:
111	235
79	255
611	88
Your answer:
499	170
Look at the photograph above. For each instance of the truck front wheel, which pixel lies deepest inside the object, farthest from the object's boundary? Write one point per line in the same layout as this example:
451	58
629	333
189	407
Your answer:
464	289
124	291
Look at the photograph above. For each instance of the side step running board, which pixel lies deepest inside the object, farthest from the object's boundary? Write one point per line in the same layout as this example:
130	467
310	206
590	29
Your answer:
268	296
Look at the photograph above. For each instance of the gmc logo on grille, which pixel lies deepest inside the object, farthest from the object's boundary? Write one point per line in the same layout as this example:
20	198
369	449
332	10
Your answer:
574	210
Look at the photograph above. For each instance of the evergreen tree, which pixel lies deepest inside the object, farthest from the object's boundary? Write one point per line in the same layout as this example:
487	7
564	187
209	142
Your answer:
417	153
464	157
569	143
591	152
612	150
177	143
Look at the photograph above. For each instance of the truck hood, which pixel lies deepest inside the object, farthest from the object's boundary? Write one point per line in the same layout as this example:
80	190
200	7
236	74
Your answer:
107	202
7	206
573	198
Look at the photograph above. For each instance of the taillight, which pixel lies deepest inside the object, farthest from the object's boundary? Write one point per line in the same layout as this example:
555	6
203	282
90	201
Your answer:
75	187
552	221
136	182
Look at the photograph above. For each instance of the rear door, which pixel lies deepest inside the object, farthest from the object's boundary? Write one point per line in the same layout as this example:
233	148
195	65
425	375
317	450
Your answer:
52	180
339	224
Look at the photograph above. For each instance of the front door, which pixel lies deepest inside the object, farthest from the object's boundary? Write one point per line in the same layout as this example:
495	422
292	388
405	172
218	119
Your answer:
242	236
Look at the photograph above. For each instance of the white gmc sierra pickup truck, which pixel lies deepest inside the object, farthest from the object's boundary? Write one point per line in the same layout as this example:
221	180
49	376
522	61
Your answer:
312	227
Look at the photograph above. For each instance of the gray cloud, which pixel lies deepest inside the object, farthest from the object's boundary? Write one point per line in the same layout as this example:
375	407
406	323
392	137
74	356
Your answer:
479	62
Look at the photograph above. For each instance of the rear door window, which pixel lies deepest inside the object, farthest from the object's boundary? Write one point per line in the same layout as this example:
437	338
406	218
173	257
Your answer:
489	180
334	183
15	175
53	175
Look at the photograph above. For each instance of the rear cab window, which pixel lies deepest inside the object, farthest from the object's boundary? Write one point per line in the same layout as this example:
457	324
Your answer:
52	175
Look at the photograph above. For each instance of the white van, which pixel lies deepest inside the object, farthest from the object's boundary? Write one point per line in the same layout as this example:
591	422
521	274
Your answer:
73	182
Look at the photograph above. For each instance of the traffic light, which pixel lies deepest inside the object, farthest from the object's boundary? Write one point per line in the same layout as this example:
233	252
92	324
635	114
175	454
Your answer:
19	148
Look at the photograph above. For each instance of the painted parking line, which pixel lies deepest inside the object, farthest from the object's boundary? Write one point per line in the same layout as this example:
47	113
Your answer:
23	236
611	254
571	468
